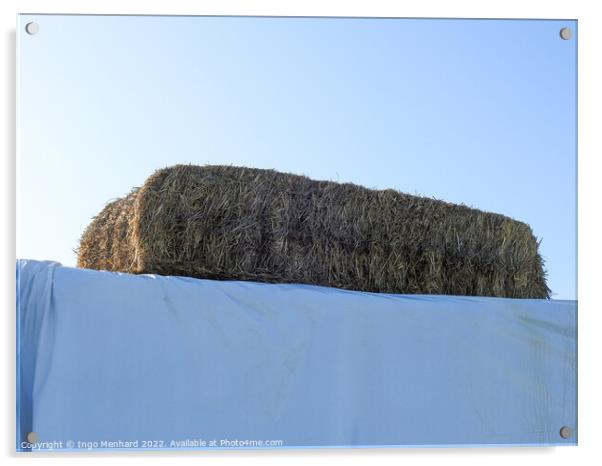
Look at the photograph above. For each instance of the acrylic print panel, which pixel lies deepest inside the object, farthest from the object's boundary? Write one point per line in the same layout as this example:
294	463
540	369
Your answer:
474	112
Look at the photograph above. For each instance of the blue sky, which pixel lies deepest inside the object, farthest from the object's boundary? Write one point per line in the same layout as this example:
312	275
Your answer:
481	112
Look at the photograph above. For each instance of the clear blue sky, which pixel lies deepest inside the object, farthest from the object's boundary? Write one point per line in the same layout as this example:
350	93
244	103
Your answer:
481	112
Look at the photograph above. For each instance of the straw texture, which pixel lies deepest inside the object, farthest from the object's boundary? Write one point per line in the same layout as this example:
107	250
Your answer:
225	222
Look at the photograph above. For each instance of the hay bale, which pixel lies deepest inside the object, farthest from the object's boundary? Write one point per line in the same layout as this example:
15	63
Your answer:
224	222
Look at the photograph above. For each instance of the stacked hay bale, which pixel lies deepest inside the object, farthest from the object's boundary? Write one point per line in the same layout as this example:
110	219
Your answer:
225	222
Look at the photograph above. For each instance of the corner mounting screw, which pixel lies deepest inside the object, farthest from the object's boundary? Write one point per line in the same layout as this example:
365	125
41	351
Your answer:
566	33
566	432
32	28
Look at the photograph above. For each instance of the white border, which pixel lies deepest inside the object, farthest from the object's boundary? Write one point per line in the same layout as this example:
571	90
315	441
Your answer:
590	152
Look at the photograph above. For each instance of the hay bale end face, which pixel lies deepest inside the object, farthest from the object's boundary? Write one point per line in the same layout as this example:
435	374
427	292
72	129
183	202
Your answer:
224	222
